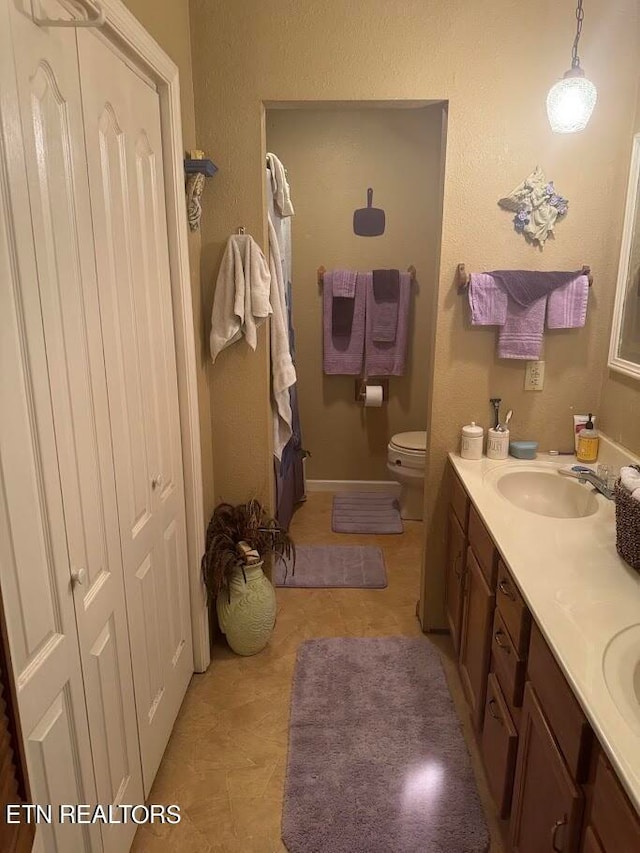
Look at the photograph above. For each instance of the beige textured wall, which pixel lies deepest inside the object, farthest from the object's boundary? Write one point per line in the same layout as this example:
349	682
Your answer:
168	23
494	63
331	157
620	401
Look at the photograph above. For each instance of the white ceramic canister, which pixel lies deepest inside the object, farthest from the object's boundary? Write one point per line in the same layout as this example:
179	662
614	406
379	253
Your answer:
497	444
472	441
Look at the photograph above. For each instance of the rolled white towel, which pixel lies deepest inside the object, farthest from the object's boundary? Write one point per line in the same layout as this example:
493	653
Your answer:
636	494
630	478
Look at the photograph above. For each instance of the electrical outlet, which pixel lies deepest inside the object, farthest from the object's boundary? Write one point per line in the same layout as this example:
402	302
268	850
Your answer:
534	376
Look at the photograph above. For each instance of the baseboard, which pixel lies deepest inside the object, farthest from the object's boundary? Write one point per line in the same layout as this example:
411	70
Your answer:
353	486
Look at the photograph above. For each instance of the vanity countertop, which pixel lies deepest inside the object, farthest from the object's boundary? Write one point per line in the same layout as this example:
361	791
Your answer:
580	592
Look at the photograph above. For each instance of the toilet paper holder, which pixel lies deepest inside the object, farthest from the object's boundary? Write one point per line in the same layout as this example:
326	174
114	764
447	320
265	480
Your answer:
361	388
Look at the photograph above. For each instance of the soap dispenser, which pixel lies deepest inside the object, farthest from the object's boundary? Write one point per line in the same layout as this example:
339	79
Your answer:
588	443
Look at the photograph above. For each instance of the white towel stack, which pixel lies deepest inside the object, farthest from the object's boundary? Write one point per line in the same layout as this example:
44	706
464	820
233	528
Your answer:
630	479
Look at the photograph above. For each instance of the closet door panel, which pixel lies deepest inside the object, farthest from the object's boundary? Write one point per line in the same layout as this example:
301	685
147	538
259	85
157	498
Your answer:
34	563
124	151
56	170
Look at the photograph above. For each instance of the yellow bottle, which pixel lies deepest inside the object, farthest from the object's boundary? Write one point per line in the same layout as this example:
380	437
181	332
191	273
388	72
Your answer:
588	443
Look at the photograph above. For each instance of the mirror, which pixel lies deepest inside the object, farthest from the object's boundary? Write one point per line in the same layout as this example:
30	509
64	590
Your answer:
624	350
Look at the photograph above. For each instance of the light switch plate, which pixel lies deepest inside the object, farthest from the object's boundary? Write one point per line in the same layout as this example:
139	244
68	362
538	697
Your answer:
534	376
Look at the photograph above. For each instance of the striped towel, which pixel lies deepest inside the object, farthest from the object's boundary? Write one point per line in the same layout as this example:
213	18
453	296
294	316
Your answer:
567	305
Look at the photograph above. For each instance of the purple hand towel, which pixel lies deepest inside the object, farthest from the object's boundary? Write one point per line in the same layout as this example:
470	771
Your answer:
521	334
386	292
344	284
387	358
487	300
343	353
527	286
567	305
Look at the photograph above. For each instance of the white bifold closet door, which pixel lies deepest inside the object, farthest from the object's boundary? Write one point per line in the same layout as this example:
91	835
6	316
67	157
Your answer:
124	152
34	564
53	140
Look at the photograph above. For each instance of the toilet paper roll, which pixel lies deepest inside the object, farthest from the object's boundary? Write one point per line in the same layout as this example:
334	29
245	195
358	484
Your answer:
373	396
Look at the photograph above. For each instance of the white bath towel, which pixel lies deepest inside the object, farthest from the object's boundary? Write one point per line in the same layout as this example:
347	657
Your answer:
630	479
241	300
283	373
280	186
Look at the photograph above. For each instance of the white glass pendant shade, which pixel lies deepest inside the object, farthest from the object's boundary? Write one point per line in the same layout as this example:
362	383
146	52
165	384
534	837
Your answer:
570	102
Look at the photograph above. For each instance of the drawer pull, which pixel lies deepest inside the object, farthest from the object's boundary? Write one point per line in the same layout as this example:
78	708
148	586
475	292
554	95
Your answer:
505	589
501	642
554	834
456	565
493	705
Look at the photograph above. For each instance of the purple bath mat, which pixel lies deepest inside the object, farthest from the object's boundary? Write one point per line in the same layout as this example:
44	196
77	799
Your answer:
377	761
356	566
366	512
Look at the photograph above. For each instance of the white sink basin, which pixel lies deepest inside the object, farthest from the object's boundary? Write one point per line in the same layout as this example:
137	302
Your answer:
621	666
547	493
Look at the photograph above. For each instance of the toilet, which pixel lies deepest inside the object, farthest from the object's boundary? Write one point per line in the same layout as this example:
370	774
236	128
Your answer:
406	453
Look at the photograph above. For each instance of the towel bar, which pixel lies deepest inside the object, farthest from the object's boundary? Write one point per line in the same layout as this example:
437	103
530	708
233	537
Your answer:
322	270
463	277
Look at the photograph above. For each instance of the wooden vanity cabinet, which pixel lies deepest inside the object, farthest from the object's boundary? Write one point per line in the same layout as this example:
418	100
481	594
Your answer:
538	749
546	814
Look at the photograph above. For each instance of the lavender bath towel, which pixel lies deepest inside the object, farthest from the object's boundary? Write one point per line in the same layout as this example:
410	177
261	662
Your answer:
377	760
386	290
388	358
487	300
567	305
366	512
521	334
334	566
563	299
343	353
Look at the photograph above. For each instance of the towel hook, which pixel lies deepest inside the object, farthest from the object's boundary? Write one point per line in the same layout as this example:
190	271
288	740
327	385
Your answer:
240	229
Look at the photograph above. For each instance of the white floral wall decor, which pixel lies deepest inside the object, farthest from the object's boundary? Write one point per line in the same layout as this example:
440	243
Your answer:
537	207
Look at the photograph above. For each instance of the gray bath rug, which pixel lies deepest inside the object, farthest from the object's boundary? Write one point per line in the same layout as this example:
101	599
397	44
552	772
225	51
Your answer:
357	566
377	761
366	512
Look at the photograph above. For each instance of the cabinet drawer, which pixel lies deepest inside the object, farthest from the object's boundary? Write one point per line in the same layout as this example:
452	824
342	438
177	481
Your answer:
591	842
459	500
499	747
569	724
483	547
612	815
509	667
513	610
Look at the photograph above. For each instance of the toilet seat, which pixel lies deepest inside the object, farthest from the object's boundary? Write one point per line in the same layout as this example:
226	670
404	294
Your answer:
408	450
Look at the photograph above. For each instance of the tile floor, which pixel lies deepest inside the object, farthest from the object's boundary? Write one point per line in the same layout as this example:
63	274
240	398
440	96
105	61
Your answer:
226	760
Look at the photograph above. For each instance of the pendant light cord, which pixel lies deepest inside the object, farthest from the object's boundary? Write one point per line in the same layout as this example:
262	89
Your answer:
575	59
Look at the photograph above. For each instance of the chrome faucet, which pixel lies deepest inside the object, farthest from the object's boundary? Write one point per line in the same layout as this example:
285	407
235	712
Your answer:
586	475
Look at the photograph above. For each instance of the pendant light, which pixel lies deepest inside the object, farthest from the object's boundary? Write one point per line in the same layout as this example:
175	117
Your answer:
571	100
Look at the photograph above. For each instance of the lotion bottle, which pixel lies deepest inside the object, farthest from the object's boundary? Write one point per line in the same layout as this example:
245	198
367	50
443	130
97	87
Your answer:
588	443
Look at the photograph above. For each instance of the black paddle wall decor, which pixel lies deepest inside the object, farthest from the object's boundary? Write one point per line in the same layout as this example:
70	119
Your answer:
369	221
